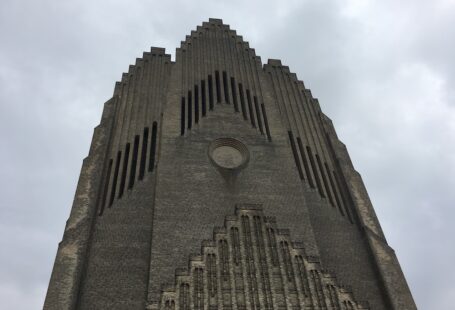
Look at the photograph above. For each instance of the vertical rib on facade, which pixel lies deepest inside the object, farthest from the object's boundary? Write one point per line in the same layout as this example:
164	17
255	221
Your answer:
152	193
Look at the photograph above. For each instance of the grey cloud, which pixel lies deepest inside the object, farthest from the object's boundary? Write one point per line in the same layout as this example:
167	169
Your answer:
383	71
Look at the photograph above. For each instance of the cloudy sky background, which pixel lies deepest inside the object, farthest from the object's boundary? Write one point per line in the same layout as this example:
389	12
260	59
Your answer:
384	71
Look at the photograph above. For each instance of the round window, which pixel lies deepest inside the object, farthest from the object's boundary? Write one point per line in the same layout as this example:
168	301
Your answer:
228	153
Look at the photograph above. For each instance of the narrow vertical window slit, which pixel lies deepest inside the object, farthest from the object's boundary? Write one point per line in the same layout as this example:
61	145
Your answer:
210	92
345	196
234	95
332	185
242	101
134	163
258	114
218	87
315	171
203	98
182	117
296	156
124	170
145	139
250	108
114	181
324	179
225	86
190	110
305	162
196	104
153	147
266	122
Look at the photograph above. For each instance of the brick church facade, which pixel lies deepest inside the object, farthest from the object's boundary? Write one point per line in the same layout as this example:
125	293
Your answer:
216	182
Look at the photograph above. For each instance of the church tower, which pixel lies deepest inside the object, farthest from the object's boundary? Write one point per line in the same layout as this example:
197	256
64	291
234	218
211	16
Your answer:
216	182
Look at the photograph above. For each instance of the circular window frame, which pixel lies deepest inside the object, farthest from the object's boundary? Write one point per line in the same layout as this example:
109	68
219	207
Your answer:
233	143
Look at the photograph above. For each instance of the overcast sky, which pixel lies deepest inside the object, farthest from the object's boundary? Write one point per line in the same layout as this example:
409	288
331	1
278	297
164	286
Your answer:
384	71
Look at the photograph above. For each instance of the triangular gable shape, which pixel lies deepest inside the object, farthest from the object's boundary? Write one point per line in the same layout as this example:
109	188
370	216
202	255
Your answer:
252	264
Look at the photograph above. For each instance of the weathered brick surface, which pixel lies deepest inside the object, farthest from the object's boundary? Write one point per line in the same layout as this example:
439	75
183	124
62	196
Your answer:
129	236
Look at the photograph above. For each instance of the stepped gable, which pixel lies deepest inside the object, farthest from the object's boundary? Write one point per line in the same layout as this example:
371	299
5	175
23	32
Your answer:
252	264
179	143
218	66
